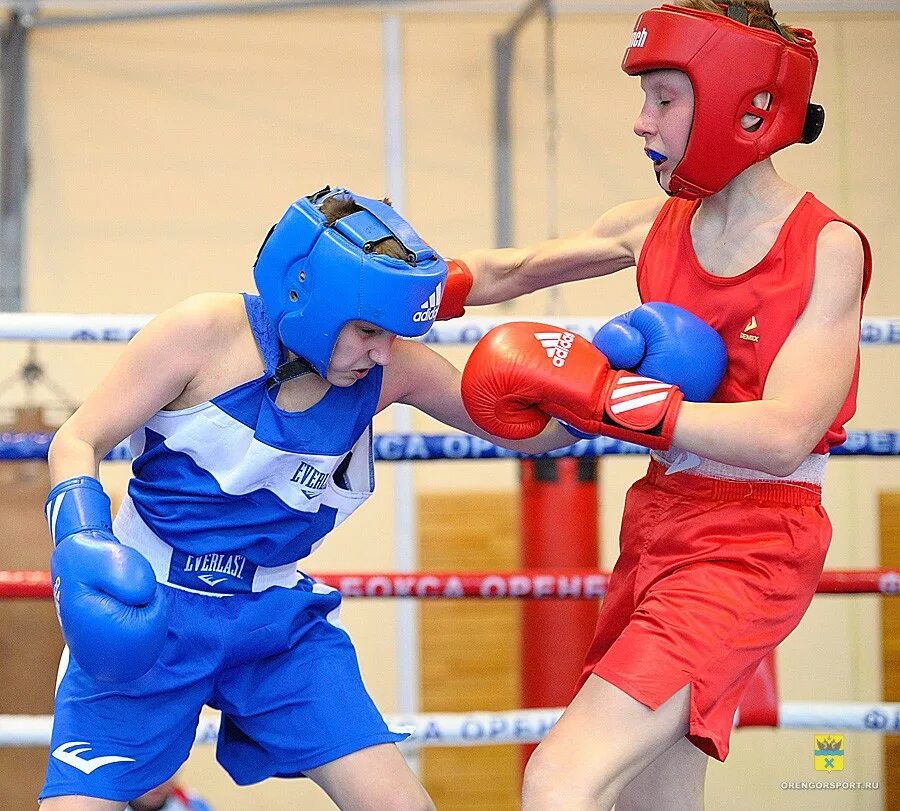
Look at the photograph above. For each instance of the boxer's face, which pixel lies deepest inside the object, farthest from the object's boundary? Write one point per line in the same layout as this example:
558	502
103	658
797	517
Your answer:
359	347
665	119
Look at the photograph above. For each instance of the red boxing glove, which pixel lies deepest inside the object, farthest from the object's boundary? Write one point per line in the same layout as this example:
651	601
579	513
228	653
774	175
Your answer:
521	374
456	290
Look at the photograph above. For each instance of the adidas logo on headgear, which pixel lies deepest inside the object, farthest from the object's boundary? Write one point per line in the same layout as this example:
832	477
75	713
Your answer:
557	345
428	309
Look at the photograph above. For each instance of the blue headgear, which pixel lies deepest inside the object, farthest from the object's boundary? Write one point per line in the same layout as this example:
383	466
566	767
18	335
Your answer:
314	277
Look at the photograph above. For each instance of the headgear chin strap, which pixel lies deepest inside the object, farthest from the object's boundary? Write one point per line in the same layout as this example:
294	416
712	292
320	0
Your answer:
314	277
729	63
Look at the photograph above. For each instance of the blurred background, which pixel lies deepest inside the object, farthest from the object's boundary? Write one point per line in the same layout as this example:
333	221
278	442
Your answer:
148	147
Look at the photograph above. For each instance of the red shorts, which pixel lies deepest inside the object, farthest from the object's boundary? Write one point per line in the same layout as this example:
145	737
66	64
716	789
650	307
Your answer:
712	576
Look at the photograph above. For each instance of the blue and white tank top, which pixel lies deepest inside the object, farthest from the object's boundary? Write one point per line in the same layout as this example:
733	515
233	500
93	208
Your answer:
239	474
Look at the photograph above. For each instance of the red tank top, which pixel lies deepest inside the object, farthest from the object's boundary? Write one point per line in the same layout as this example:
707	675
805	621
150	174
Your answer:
753	312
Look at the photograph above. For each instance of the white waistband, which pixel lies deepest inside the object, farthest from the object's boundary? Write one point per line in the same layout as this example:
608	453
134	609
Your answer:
218	569
811	470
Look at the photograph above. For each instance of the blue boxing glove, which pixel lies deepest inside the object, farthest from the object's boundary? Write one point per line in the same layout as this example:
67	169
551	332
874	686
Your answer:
667	343
112	613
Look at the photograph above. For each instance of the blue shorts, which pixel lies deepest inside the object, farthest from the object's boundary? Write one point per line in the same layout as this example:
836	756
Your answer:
284	676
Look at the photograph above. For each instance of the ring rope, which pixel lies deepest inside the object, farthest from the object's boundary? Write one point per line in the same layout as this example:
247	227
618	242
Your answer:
511	726
393	447
103	328
568	584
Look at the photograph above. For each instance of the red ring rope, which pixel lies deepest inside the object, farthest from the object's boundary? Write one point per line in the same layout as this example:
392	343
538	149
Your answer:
549	584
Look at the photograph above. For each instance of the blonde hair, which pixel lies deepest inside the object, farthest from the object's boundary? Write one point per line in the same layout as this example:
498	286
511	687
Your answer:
759	13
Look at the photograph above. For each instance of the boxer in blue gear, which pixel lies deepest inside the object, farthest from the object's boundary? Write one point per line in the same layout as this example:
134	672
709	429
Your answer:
251	429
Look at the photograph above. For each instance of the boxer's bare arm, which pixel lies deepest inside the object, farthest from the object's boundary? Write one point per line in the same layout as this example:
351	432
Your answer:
612	243
153	370
420	377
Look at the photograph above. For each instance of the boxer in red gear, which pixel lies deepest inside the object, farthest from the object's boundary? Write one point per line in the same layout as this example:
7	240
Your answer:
724	539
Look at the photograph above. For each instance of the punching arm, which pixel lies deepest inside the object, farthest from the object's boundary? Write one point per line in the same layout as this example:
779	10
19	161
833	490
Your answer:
609	245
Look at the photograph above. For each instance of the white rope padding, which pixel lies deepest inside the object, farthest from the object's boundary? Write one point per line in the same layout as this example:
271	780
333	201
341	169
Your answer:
101	328
510	727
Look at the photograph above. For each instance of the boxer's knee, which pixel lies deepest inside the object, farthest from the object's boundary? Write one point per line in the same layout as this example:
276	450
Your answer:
410	799
674	780
552	781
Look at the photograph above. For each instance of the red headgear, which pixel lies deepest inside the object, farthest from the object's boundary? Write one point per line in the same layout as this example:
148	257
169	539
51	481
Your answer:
729	63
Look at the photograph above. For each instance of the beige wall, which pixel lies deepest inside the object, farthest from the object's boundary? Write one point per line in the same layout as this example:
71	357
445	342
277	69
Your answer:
161	152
